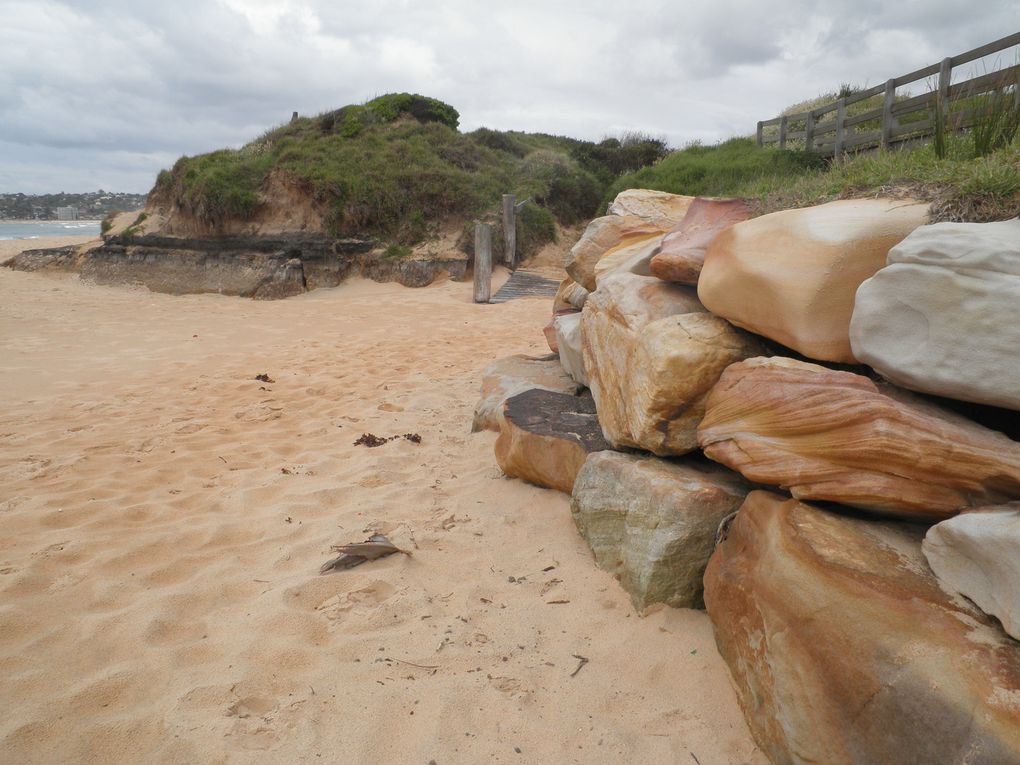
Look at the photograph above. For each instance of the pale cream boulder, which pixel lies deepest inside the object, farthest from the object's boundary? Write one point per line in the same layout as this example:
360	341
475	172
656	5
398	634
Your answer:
509	376
605	235
631	258
545	437
567	327
837	436
942	316
791	275
845	650
652	523
659	207
682	253
977	554
569	295
651	354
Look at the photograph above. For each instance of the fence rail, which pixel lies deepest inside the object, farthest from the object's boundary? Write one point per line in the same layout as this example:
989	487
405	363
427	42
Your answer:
828	130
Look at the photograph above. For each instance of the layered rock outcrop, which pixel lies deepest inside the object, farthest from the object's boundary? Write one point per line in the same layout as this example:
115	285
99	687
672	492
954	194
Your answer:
977	555
846	651
682	253
652	354
941	317
791	276
652	523
506	377
829	435
545	437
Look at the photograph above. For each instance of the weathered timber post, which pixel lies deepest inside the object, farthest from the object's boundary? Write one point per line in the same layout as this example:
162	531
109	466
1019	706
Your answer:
510	230
783	121
945	75
887	118
483	263
293	117
809	131
760	134
840	127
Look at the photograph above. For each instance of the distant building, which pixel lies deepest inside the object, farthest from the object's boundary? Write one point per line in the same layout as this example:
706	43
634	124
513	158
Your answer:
67	213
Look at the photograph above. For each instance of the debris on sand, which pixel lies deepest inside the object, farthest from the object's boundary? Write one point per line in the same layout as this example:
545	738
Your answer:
370	439
356	553
264	378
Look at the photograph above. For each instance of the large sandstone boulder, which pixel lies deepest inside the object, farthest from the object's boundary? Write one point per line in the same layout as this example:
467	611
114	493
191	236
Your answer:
652	353
652	523
659	207
941	317
509	376
545	437
792	275
977	554
603	235
570	347
630	258
837	436
845	650
682	254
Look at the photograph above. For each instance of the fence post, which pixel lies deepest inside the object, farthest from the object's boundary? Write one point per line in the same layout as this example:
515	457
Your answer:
483	263
783	121
945	75
510	230
887	118
840	127
760	134
809	131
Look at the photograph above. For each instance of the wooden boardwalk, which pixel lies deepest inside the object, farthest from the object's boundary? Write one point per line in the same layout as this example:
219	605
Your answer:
523	283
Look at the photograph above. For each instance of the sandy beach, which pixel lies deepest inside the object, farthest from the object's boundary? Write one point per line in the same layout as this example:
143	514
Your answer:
163	516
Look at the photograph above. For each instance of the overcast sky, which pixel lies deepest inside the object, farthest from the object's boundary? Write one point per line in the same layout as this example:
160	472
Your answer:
105	93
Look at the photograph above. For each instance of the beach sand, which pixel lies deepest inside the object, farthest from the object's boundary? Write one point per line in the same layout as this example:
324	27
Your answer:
163	517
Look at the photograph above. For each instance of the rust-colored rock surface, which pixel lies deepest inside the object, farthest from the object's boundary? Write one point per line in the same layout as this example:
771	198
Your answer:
545	437
569	295
604	235
845	651
829	435
683	249
791	275
652	353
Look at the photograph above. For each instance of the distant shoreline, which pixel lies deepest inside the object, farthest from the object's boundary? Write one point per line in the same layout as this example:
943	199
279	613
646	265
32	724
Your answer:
38	220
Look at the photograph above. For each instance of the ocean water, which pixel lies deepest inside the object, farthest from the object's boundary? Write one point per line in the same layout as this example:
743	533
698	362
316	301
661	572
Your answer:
39	229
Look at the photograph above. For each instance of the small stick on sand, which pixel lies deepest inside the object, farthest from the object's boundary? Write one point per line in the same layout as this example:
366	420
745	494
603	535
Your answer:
583	660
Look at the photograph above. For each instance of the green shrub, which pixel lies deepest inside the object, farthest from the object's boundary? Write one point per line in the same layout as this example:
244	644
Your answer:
536	227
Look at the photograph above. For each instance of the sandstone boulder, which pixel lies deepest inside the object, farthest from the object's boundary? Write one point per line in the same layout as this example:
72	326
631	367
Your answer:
568	341
683	249
792	275
569	295
630	258
941	317
660	207
512	375
545	437
604	234
549	330
977	554
837	436
845	651
652	353
652	523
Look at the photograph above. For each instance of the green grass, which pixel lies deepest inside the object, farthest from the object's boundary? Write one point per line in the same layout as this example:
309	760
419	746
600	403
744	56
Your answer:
960	185
397	166
135	226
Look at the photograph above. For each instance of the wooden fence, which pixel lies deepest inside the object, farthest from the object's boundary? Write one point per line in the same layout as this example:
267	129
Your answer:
896	121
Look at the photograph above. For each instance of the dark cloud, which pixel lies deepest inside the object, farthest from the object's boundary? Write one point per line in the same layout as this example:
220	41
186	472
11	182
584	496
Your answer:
106	92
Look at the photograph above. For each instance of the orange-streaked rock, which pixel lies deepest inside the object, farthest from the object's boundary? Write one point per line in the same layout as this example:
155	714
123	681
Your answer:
845	650
829	435
545	437
509	376
651	354
683	249
791	275
603	235
569	295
